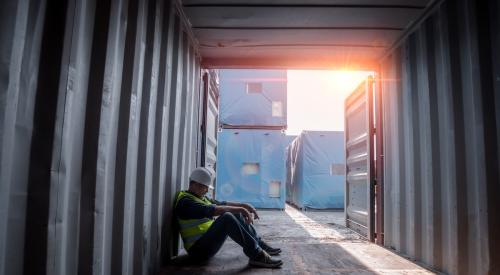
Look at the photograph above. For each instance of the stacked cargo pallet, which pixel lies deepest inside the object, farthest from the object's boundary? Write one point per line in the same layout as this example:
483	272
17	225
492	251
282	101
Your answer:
316	170
251	141
288	177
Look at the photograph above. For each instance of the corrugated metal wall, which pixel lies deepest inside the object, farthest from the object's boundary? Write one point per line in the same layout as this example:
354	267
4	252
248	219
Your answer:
99	126
441	91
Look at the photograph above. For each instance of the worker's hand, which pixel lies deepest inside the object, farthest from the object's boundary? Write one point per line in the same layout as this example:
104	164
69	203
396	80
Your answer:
247	216
252	210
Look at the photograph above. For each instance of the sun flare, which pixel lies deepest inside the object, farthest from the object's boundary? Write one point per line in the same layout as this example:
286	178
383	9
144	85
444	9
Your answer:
316	98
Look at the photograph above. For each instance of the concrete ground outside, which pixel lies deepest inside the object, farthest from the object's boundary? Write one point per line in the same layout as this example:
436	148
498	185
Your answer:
313	242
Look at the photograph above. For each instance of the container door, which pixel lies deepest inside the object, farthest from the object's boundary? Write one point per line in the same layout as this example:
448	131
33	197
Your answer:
209	120
359	202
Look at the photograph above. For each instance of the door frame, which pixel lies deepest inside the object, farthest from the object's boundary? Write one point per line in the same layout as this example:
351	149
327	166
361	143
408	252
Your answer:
379	162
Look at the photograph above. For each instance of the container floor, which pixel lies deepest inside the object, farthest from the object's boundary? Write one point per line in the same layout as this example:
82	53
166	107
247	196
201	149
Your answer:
313	242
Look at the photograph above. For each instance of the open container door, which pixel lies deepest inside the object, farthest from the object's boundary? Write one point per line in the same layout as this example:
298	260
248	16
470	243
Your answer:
359	196
209	119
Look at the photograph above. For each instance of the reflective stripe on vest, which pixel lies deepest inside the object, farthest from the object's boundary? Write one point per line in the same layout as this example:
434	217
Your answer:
191	230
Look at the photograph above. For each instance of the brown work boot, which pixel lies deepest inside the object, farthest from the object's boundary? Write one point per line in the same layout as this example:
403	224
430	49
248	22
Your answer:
265	260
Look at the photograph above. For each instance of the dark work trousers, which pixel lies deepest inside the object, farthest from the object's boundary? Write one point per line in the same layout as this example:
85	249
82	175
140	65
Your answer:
230	225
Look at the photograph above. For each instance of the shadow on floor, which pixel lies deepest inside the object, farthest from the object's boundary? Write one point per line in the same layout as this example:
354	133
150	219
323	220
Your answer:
313	242
299	258
302	252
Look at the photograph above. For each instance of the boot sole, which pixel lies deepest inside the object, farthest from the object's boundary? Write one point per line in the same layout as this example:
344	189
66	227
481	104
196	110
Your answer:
276	253
267	265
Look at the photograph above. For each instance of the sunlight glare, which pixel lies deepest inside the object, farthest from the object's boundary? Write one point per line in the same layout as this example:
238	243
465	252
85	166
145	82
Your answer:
316	98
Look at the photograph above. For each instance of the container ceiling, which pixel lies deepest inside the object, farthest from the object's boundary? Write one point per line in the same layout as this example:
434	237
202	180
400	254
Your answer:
348	34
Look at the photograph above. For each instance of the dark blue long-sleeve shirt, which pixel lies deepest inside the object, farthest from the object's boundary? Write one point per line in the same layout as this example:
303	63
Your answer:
187	208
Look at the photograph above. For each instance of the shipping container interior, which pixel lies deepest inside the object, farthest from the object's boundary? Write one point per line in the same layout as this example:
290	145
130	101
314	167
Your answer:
107	105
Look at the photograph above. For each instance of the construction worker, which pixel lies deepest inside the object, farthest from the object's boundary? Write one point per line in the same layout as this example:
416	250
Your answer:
203	235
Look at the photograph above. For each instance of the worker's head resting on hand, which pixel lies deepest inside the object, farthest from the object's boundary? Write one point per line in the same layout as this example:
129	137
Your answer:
200	180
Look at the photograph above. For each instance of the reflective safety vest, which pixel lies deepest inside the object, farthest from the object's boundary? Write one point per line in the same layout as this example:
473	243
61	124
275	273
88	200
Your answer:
191	230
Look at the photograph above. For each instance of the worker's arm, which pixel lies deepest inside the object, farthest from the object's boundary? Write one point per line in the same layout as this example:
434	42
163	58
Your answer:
221	209
247	206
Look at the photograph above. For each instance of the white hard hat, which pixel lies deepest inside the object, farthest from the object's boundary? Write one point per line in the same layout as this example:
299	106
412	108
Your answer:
203	176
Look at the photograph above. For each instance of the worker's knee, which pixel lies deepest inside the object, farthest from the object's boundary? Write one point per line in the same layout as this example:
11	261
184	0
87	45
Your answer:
240	217
234	217
228	217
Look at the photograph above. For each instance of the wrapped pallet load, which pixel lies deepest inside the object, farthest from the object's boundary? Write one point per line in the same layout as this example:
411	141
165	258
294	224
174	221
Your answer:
316	165
253	98
251	167
288	159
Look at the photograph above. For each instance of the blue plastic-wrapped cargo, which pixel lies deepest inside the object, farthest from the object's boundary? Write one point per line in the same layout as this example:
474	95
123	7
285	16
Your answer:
288	180
317	164
253	98
289	139
251	167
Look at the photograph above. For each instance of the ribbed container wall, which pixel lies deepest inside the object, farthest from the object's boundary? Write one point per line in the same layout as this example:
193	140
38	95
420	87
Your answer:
98	129
441	92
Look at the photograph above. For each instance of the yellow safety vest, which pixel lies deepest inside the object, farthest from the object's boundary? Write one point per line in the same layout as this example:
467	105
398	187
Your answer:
191	230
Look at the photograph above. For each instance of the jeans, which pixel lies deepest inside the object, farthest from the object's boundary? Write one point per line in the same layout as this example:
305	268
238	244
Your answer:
230	225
